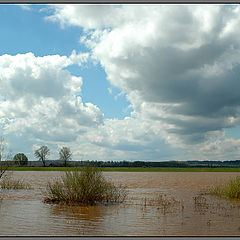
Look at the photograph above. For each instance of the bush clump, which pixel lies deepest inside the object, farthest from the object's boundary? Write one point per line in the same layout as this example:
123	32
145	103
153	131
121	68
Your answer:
229	190
85	187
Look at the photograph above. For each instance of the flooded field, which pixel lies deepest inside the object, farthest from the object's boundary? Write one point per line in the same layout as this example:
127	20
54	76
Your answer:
182	211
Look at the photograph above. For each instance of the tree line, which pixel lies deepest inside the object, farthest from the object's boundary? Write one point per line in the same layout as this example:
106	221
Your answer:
20	159
65	156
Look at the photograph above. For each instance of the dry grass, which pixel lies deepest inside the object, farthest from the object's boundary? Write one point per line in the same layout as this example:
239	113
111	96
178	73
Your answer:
11	183
85	187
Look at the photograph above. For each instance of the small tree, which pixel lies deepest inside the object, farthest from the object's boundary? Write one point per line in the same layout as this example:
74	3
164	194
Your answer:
65	155
20	159
42	154
3	167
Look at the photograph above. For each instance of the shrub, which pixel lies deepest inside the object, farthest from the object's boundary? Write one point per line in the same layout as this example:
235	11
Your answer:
85	187
20	159
230	189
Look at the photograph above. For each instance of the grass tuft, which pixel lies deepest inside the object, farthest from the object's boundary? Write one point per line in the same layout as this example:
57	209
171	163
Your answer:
229	190
10	183
85	187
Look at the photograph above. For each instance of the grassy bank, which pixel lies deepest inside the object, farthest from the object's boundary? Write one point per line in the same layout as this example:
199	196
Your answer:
126	169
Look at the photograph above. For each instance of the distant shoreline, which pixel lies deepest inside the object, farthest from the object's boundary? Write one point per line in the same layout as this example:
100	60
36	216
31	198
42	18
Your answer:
128	169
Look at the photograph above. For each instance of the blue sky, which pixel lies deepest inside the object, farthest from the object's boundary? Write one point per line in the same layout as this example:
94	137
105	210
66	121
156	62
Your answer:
118	83
28	31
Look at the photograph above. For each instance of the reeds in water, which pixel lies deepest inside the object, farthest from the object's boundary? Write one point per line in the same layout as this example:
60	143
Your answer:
162	202
230	190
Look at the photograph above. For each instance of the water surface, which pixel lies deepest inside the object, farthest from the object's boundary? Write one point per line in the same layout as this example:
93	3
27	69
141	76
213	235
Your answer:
23	213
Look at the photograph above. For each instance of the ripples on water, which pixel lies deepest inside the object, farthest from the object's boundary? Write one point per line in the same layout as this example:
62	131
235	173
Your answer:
22	212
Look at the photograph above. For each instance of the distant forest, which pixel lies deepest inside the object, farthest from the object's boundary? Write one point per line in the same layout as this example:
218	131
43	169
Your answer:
177	164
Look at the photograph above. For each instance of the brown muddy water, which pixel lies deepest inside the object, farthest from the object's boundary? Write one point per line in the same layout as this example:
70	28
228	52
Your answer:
186	212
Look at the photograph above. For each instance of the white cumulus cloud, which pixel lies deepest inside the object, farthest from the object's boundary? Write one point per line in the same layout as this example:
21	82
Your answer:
178	65
41	102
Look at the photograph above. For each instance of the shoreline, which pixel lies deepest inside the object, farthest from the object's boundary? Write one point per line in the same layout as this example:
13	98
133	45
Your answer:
127	169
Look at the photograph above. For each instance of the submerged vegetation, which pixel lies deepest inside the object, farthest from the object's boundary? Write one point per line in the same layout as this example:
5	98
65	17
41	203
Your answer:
86	187
11	183
163	202
230	189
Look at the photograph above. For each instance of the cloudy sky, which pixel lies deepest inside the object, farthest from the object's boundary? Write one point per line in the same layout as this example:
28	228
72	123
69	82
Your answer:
121	82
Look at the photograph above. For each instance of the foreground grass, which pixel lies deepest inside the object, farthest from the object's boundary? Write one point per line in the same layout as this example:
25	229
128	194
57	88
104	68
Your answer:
11	183
230	189
127	169
85	187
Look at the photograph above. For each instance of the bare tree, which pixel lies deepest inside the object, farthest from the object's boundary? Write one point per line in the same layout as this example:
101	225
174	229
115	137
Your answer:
3	167
65	155
42	154
2	147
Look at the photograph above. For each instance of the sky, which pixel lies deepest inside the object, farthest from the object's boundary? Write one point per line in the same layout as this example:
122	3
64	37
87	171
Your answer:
121	82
